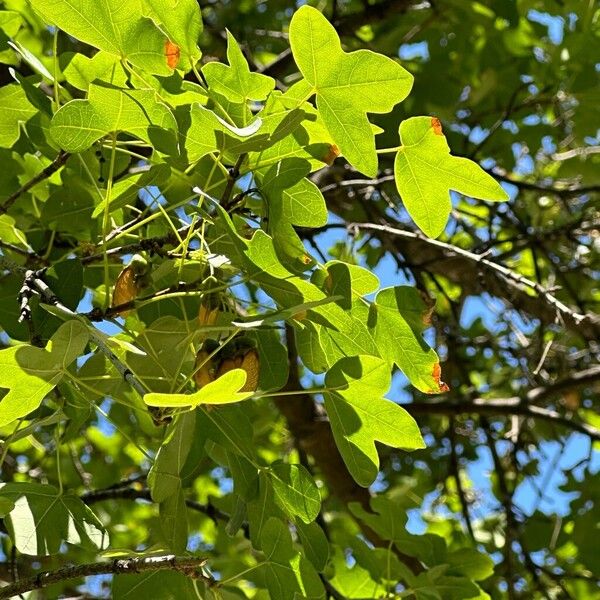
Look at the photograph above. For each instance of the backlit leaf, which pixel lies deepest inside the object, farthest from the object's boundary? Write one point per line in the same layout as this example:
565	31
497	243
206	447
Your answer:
43	518
425	172
111	25
79	123
397	320
360	416
348	85
223	390
30	373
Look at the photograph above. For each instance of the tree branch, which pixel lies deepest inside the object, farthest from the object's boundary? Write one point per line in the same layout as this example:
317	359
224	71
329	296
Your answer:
500	406
188	566
440	253
127	492
54	166
33	280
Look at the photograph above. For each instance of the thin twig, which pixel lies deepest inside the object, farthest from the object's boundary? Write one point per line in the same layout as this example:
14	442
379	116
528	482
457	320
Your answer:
455	466
500	406
508	274
48	171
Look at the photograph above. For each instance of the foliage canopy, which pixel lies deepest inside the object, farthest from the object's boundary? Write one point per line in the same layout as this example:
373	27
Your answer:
239	246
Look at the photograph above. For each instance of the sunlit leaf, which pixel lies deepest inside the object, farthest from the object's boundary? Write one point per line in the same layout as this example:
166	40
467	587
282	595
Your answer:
360	416
224	390
111	25
425	172
79	123
348	85
397	319
30	373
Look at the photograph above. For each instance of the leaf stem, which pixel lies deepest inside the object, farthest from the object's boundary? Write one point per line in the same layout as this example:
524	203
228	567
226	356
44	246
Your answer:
106	218
388	150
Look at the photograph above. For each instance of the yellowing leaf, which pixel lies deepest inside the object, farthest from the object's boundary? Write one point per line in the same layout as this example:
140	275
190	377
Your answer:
425	172
224	390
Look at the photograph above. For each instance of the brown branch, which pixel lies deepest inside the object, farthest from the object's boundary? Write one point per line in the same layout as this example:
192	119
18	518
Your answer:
566	192
152	245
507	502
373	13
458	265
127	492
54	166
500	406
188	566
455	467
313	434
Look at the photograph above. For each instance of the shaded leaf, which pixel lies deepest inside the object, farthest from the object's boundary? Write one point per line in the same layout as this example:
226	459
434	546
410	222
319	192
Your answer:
296	493
42	519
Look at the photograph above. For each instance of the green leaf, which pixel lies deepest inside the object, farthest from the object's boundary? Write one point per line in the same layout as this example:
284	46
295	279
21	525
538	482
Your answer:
15	109
159	585
9	233
79	123
261	508
348	85
163	477
223	390
295	491
287	574
397	319
274	362
81	70
360	416
425	172
111	25
470	563
181	20
235	81
173	521
314	542
354	581
209	133
42	519
230	428
30	373
292	200
165	354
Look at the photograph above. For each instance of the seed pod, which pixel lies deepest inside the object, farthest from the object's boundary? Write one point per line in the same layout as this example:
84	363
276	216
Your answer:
129	282
126	289
251	364
208	313
249	361
206	373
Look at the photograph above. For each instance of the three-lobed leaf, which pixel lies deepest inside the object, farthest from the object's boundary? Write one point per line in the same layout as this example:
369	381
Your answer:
30	373
42	519
360	415
347	85
425	172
